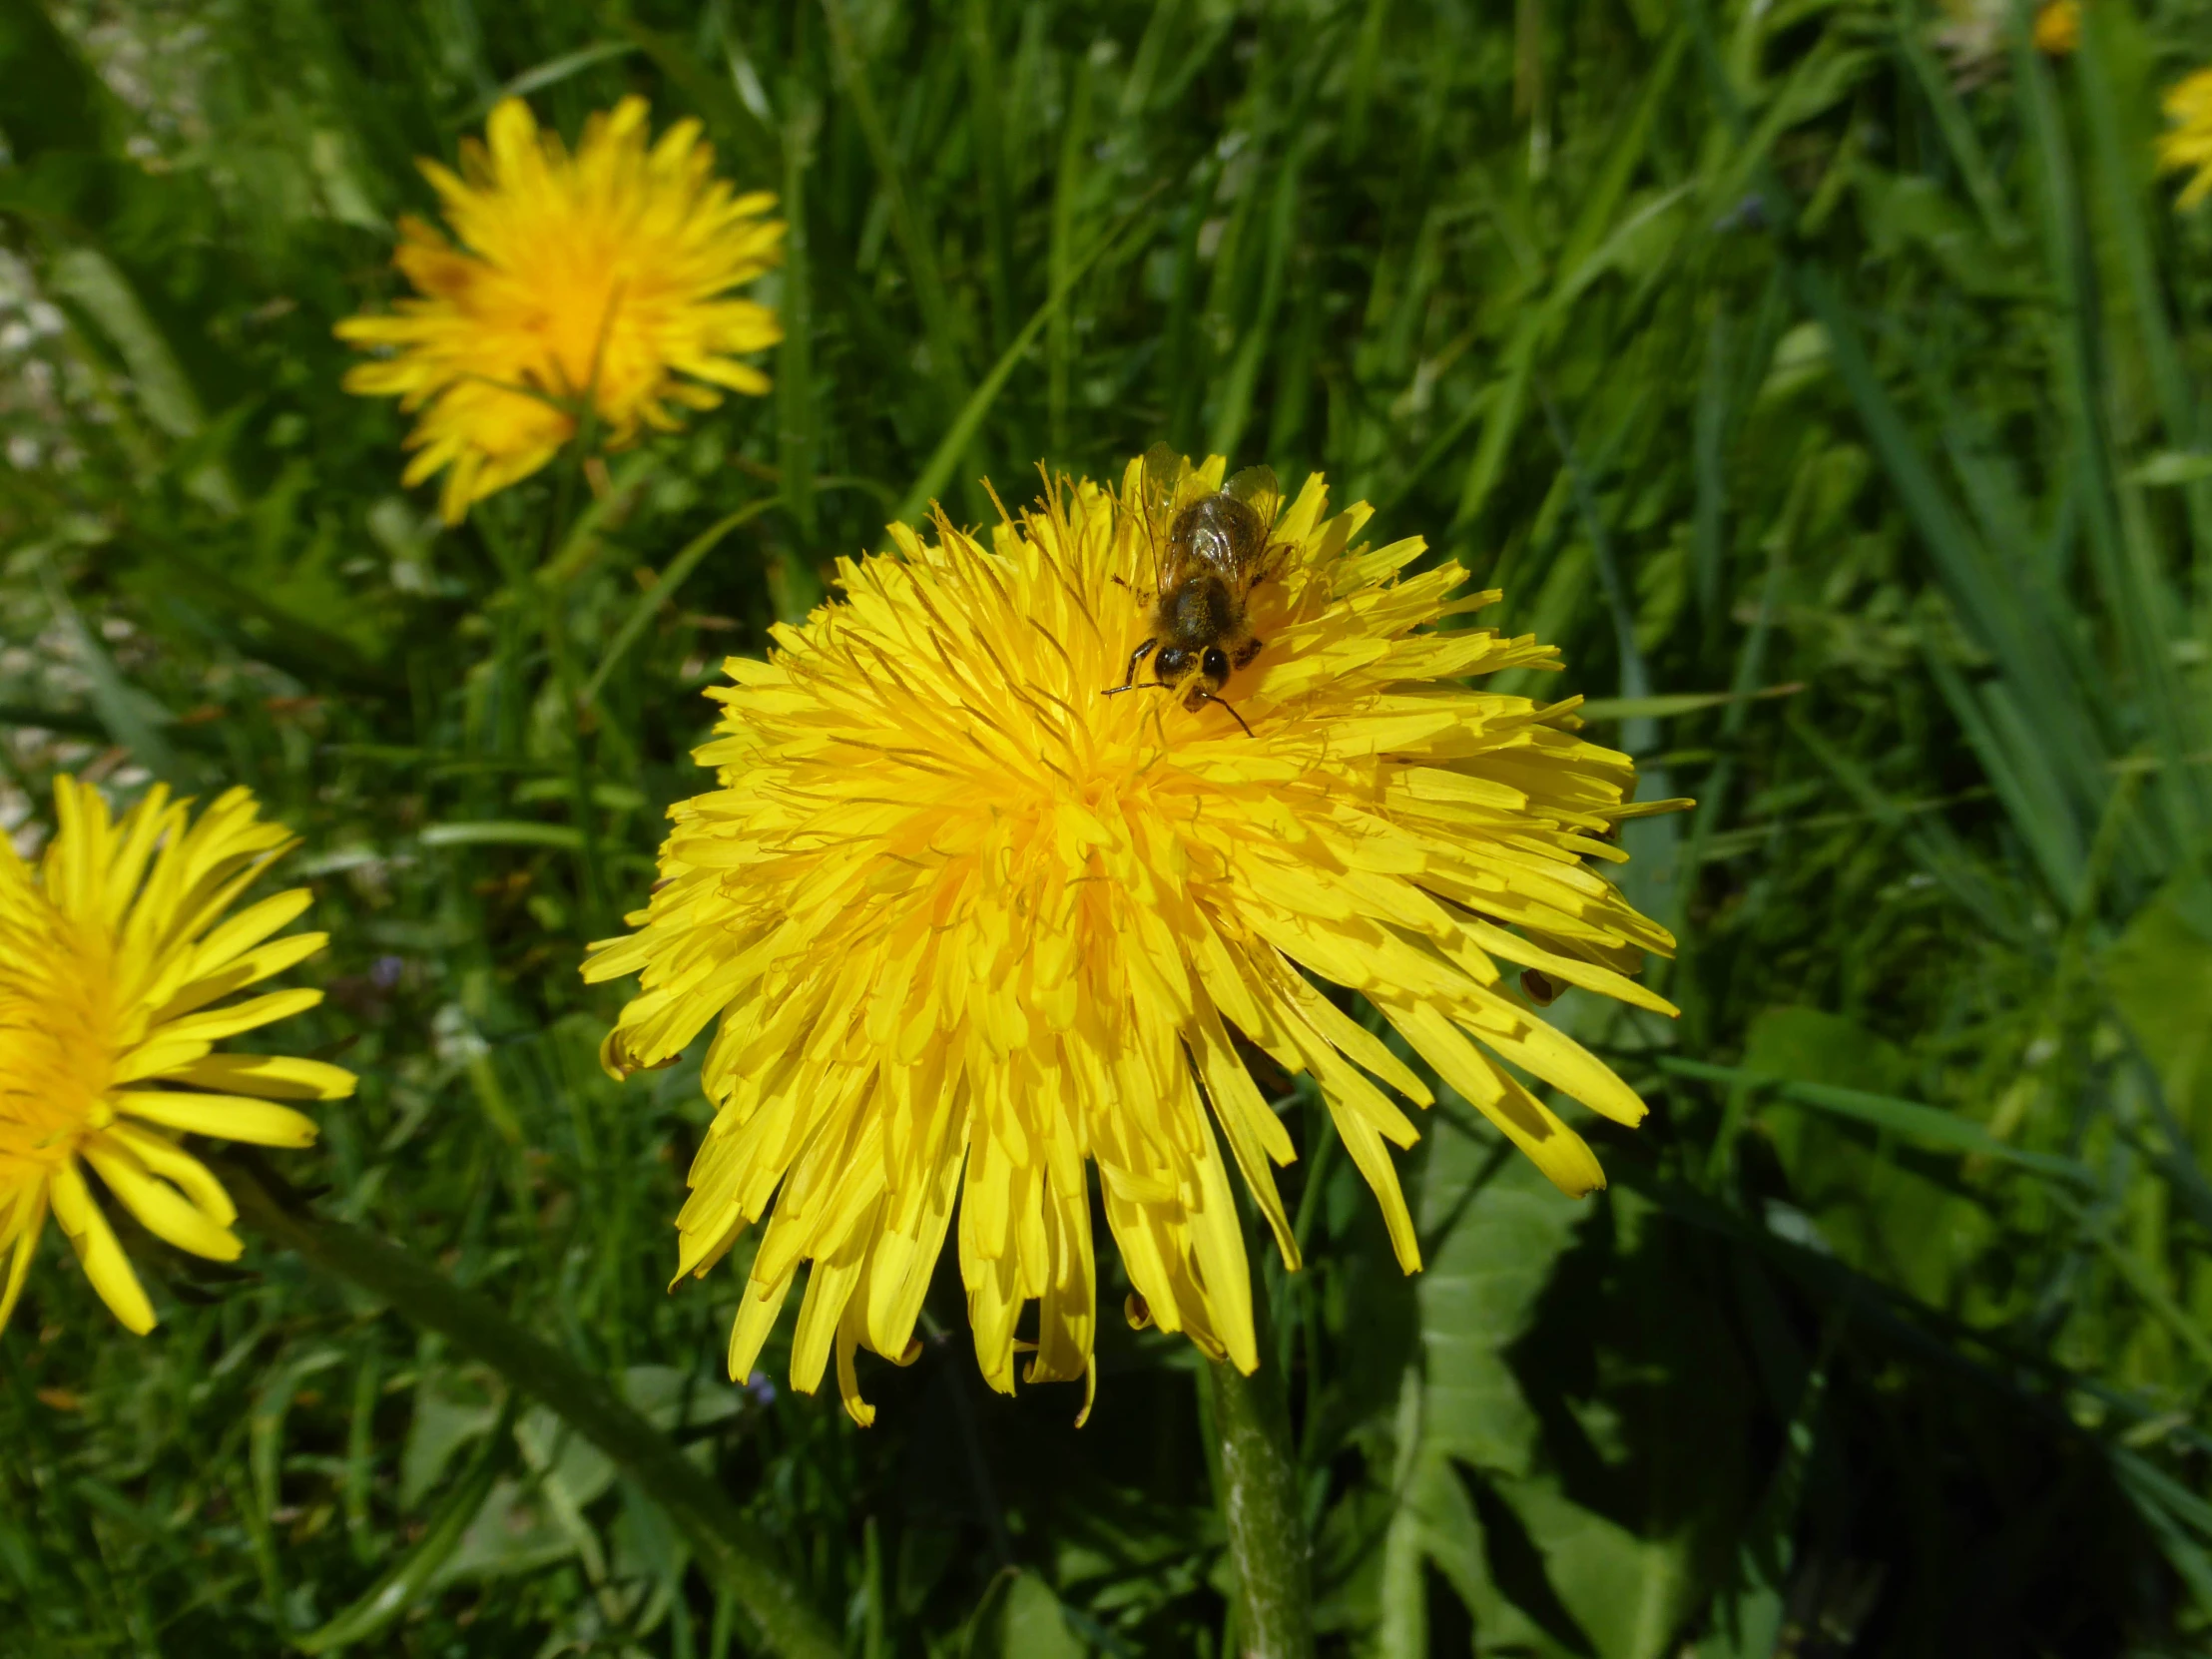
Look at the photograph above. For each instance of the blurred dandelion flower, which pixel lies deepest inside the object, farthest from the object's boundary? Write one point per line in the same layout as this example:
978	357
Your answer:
2187	141
601	277
2059	27
968	923
113	954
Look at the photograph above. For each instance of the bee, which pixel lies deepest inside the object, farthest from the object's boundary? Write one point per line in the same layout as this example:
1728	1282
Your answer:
1207	559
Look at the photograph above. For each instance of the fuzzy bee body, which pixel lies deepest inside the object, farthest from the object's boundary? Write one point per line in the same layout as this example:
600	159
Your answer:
1208	558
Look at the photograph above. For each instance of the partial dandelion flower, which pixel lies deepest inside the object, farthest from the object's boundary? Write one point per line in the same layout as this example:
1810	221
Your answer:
116	960
602	276
2058	28
968	924
2187	141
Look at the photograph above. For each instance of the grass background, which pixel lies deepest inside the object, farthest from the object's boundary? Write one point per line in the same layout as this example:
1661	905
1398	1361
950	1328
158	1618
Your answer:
1825	376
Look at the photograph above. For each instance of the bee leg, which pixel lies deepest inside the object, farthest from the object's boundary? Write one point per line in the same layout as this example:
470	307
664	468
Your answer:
1209	696
1246	652
1137	656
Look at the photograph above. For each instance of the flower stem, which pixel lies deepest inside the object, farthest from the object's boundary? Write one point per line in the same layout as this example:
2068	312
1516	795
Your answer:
1259	1506
735	1556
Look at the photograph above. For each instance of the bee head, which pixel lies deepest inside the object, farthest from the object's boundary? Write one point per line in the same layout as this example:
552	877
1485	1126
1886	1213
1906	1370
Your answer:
1177	663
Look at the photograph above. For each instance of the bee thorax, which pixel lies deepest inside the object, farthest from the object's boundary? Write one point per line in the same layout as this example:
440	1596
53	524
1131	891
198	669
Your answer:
1199	610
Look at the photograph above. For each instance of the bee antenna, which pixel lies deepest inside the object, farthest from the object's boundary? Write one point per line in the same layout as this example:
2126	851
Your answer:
1232	715
1165	685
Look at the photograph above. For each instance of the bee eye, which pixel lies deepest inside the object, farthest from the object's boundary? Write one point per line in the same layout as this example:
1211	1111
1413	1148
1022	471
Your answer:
1215	663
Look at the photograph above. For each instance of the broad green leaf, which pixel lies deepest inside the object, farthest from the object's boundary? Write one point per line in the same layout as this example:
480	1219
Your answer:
512	1530
444	1420
1502	1226
1030	1625
1572	1517
1881	1217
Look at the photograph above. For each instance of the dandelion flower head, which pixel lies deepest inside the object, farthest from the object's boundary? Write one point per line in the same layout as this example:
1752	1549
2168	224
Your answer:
2187	141
2058	28
968	926
117	961
604	276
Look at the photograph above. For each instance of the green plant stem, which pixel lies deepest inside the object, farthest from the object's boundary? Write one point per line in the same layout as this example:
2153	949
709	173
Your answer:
735	1556
1259	1506
552	604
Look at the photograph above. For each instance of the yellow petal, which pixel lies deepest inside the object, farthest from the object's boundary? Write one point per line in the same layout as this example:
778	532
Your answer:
94	1240
1255	1133
227	1117
25	1226
160	1209
178	1168
202	984
1563	1156
848	1378
756	1312
253	1013
276	1076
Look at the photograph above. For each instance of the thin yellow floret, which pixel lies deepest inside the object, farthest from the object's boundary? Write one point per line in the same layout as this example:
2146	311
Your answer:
602	278
116	964
969	925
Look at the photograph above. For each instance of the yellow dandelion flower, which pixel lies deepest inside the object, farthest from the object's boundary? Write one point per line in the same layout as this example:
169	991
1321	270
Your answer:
2058	28
114	956
603	275
2187	143
968	923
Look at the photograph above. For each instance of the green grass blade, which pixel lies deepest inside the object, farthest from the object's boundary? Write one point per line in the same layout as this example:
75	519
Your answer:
2175	1517
133	719
796	408
955	443
1905	1118
987	132
1957	128
491	831
2123	160
663	590
551	73
412	1577
1067	196
731	1549
916	240
753	145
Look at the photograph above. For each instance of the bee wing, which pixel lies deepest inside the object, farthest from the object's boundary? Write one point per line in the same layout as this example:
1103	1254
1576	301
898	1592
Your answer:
1163	473
1257	488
